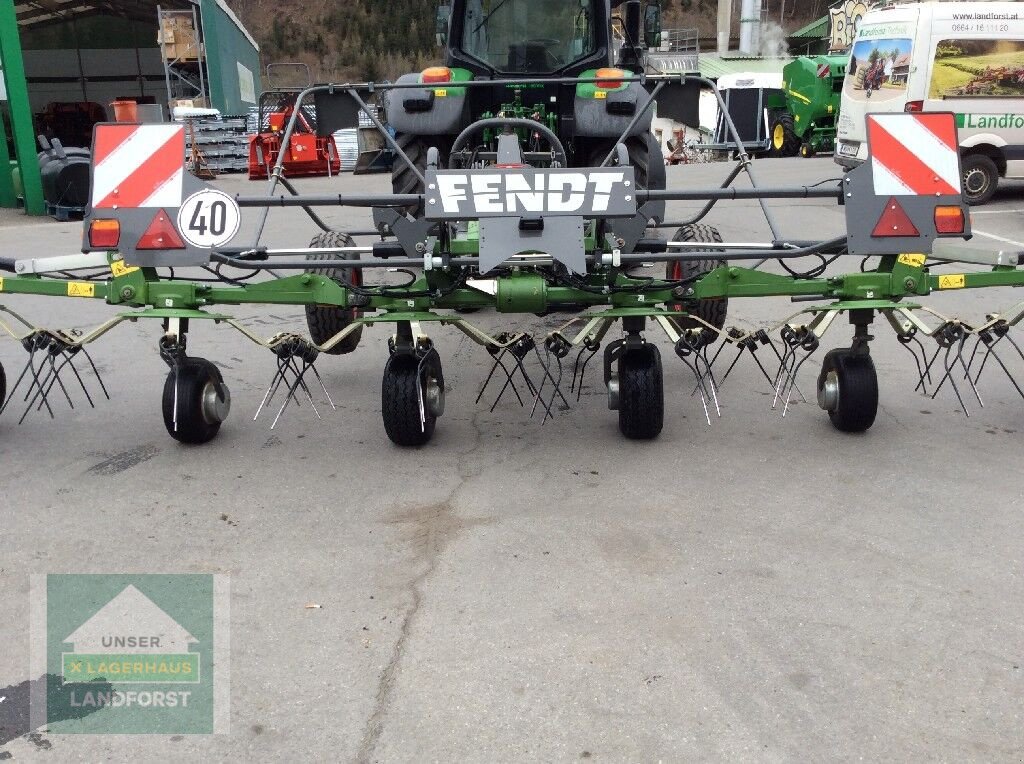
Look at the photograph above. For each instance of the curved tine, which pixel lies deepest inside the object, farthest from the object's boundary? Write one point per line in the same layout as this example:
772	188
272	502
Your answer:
967	373
272	388
924	358
949	376
784	366
732	366
575	370
74	369
917	361
10	394
320	380
792	385
419	392
530	387
1009	375
95	371
1015	345
301	376
583	372
508	382
974	352
40	391
700	385
709	385
551	401
928	371
494	368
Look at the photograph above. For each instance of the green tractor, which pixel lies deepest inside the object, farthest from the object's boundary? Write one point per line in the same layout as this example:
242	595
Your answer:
802	119
552	44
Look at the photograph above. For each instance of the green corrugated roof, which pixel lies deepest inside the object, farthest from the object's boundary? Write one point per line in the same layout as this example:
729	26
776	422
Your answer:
816	30
717	66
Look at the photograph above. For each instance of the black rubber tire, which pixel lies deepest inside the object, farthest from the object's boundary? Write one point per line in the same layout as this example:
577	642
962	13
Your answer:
712	311
403	179
192	378
325	322
782	137
858	389
980	176
806	151
3	386
400	407
641	393
647	160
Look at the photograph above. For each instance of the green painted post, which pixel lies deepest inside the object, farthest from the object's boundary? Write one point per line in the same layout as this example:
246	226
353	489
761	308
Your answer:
7	196
21	111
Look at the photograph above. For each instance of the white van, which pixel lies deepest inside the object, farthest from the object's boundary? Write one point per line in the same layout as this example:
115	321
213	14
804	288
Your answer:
967	58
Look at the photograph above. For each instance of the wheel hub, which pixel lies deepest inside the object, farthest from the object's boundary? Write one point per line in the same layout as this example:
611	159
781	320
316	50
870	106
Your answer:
828	393
975	181
433	397
216	403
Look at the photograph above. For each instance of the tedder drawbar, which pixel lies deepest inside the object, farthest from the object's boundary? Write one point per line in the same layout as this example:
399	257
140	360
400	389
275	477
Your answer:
507	218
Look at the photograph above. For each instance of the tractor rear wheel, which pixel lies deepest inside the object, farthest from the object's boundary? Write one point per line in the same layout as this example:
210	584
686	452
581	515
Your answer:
403	179
325	322
641	393
784	141
711	311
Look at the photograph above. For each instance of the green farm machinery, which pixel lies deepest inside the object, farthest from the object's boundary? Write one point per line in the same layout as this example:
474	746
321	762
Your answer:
519	211
802	118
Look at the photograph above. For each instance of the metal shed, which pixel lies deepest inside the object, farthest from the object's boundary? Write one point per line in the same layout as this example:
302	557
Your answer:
63	52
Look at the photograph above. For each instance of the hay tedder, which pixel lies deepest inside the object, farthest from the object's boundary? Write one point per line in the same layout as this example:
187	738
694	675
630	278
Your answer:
545	203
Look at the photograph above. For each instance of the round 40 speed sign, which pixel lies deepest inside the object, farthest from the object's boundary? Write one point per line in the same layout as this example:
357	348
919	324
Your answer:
208	219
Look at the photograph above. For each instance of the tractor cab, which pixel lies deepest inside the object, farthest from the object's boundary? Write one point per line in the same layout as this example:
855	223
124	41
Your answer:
516	37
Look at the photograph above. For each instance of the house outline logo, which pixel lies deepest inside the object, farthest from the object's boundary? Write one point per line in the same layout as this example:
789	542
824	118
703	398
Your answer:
131	636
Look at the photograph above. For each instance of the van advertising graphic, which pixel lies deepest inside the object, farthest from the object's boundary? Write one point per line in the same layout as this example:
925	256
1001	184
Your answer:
977	68
879	68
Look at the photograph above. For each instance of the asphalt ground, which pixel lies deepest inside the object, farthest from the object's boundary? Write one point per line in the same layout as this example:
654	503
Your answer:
764	589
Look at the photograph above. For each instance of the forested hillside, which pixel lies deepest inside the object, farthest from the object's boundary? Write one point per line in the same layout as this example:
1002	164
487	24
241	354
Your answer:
360	39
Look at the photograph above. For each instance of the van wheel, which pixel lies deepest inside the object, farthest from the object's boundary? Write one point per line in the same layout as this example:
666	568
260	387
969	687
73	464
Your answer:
980	177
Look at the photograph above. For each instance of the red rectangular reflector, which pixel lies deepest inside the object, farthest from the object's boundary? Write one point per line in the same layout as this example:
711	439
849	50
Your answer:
104	233
949	220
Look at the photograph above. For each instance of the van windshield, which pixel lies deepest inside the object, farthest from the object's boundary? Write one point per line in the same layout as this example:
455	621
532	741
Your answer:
528	36
879	69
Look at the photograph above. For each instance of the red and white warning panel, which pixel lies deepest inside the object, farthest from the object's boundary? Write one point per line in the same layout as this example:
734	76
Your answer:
146	206
914	154
138	166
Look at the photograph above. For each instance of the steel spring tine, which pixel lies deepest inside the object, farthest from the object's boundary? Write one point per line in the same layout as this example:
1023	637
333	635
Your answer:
494	368
305	387
917	361
583	372
928	371
322	385
35	377
709	385
575	369
419	394
989	349
1009	375
287	399
294	368
551	400
733	365
38	384
948	375
275	383
74	370
974	352
785	366
43	387
700	385
792	386
967	373
1015	345
10	394
95	371
530	387
508	383
56	374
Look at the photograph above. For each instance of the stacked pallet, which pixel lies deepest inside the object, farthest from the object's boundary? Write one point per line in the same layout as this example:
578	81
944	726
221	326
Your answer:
221	142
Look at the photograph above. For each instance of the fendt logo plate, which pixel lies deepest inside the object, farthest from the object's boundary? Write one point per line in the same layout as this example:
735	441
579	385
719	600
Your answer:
529	192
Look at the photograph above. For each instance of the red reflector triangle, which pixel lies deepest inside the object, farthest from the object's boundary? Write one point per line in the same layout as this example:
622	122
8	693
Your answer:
895	221
161	234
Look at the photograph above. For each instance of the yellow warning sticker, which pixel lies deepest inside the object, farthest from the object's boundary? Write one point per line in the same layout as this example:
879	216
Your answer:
914	261
118	268
80	289
601	94
441	93
952	281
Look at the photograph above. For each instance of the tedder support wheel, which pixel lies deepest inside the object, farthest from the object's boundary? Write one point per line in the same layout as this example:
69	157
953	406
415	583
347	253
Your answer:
980	177
784	141
401	399
848	389
196	401
712	311
325	322
641	393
